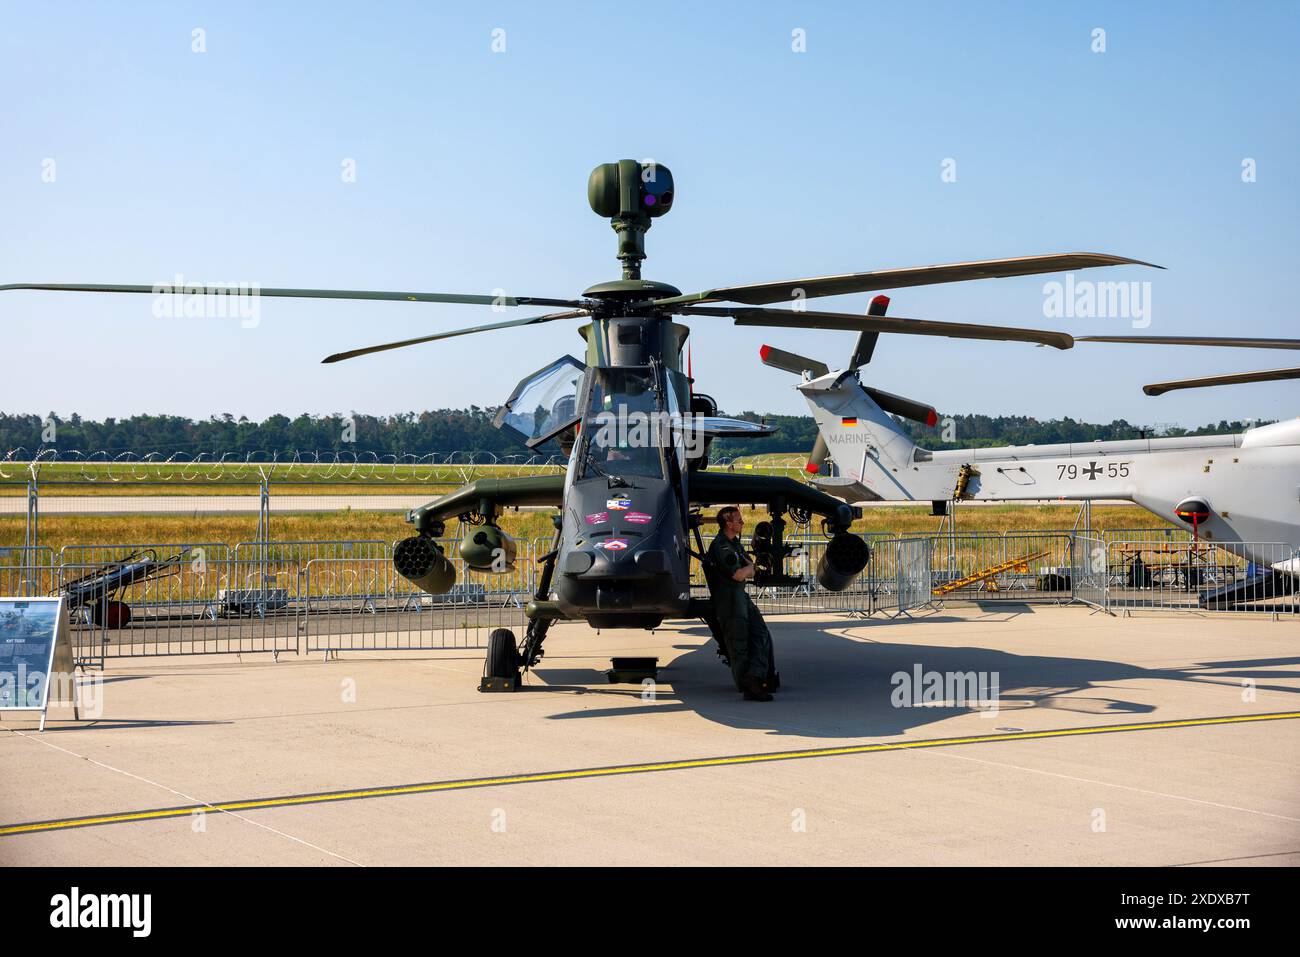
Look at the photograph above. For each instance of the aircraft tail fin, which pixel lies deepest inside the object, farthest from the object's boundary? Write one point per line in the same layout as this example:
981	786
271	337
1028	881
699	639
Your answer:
835	389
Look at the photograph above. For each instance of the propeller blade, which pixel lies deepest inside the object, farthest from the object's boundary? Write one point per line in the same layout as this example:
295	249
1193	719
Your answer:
1270	375
901	405
866	344
791	362
817	457
1231	341
530	320
791	289
787	319
204	288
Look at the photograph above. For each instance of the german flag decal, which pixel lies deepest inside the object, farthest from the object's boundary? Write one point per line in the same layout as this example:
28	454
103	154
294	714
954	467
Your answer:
849	421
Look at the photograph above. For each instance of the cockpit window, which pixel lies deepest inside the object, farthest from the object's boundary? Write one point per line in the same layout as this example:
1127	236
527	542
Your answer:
625	426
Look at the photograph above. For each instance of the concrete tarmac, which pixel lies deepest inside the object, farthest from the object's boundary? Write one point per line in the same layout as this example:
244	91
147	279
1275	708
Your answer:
1171	740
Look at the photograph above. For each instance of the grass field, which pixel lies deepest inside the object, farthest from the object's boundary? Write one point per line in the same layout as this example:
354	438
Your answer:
349	525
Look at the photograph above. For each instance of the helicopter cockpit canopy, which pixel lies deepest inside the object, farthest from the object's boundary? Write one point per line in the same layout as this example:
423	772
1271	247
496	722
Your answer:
627	425
543	404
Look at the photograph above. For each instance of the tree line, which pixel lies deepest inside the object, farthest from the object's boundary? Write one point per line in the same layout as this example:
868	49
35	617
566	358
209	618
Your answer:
470	430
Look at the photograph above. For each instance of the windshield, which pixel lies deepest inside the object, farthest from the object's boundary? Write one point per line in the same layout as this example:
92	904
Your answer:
625	425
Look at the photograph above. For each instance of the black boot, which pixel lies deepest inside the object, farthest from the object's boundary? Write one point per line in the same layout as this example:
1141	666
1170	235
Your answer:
753	688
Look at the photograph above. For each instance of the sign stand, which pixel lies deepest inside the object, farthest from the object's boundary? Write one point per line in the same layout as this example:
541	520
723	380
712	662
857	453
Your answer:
35	650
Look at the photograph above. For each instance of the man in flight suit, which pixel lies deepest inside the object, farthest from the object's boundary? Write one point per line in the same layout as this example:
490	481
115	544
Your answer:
748	642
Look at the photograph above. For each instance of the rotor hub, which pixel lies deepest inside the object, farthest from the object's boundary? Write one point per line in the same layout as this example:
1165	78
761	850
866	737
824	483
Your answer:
613	297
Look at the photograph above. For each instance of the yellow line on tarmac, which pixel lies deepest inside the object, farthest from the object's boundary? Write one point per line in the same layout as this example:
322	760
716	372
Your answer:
464	784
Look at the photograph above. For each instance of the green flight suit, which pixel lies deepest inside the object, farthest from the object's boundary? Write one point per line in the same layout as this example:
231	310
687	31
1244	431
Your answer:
749	643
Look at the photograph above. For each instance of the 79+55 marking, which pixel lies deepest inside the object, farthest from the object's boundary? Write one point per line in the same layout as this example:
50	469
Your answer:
1073	470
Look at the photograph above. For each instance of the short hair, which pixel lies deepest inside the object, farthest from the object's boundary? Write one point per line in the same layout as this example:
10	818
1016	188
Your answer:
723	513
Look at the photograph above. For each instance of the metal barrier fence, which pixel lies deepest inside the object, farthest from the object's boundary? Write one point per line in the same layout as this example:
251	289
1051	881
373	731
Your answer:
1168	535
330	596
808	595
26	570
362	604
1013	565
898	577
1200	576
190	608
913	574
1088	579
874	589
273	597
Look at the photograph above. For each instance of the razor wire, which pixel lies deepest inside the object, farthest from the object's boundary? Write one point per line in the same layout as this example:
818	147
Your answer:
338	467
343	466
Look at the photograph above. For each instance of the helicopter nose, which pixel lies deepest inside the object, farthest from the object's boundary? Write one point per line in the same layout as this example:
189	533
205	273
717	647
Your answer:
616	564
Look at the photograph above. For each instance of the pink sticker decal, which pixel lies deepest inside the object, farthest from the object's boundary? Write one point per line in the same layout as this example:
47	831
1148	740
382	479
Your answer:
638	518
596	518
614	544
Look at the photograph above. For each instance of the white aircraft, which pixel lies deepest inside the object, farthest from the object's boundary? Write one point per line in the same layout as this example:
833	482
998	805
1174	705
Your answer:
1234	491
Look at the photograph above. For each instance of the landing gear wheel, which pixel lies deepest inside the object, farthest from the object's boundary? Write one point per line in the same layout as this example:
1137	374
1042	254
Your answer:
502	661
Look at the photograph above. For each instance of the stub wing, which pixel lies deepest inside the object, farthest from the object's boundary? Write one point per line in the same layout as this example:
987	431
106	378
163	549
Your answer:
536	490
729	488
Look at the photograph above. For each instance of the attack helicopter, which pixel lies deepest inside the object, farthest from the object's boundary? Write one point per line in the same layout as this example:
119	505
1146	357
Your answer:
636	433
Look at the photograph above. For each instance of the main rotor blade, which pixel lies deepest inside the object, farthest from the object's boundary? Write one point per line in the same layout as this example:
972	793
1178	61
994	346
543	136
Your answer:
1270	375
206	288
1231	341
530	320
792	289
787	319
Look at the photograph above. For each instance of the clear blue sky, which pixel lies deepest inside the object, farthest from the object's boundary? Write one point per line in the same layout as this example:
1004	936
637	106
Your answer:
472	167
